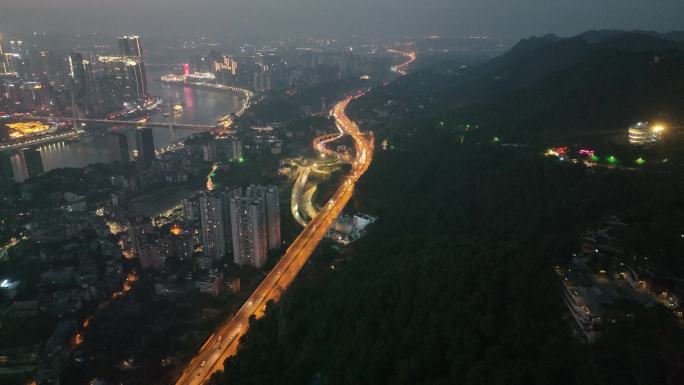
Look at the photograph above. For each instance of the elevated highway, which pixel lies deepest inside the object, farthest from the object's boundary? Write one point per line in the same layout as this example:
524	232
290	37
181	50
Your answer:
224	341
125	122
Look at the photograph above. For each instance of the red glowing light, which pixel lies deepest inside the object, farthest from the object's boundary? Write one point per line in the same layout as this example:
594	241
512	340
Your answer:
186	69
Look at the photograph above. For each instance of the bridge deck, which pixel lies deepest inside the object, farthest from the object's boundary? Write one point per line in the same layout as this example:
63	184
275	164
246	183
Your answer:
127	122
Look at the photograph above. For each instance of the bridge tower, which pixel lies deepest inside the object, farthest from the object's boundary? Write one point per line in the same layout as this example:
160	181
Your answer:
75	113
171	114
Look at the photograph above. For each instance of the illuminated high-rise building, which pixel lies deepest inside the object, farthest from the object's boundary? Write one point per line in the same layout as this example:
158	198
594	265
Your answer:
79	69
136	73
16	60
271	198
81	76
129	46
128	76
248	226
16	46
131	56
255	224
225	70
12	62
212	213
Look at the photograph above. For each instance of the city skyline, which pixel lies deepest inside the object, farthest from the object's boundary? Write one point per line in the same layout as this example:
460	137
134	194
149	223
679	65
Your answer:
239	192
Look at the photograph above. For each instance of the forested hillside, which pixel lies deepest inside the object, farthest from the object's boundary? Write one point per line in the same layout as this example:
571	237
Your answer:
455	284
586	88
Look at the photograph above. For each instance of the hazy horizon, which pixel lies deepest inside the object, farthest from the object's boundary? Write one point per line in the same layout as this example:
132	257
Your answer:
269	18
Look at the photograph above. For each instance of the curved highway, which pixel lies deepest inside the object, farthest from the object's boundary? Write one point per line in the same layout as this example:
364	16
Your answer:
402	69
301	200
223	343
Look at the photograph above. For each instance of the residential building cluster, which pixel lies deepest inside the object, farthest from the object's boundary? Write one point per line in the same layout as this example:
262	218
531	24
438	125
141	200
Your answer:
92	243
284	66
242	222
348	228
86	83
604	284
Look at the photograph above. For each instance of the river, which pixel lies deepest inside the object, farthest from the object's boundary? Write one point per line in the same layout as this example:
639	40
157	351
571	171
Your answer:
201	107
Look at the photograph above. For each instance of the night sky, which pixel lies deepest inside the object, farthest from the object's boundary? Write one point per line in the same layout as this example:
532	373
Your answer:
499	18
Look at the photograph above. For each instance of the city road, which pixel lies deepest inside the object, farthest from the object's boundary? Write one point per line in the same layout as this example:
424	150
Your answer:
223	342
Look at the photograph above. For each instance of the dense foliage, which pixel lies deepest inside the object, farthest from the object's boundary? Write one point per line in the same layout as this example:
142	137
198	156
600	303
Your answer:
454	284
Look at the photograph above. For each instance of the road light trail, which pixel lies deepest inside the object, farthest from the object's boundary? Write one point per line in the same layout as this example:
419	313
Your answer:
320	142
300	199
402	69
210	177
223	342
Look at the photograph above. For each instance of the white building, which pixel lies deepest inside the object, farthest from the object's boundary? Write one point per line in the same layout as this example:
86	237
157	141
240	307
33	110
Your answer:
642	133
236	150
209	151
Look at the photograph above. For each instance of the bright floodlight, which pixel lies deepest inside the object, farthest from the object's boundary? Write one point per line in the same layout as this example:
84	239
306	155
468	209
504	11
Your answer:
658	128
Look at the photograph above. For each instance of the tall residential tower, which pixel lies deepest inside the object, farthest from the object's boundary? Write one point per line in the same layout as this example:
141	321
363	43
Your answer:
212	214
255	224
248	225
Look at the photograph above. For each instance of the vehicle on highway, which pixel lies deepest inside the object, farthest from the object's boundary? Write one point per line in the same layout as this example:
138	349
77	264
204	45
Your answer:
297	254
